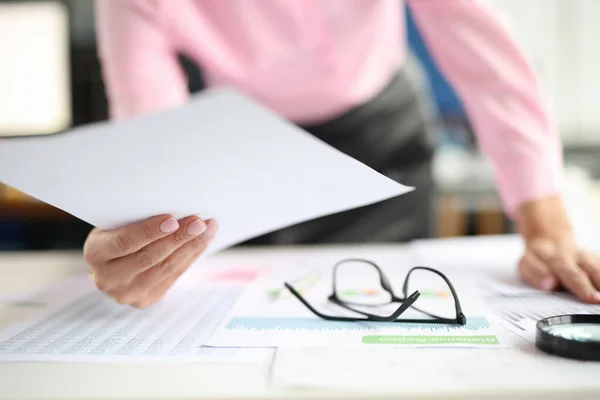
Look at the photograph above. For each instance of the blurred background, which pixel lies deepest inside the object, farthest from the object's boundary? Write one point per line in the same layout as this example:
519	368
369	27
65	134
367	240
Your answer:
56	84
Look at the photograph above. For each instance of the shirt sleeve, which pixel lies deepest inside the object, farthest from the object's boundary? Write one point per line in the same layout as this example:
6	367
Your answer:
475	49
140	67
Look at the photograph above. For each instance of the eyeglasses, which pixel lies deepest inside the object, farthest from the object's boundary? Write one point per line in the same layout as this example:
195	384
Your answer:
362	283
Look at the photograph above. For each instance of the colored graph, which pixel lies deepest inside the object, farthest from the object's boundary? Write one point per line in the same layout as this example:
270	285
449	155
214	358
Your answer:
312	324
435	293
264	331
361	292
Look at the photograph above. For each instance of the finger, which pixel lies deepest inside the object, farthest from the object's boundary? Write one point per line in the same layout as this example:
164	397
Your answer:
123	270
138	290
158	292
112	244
145	281
536	273
562	262
590	263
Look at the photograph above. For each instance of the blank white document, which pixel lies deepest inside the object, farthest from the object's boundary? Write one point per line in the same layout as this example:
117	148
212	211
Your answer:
220	156
93	328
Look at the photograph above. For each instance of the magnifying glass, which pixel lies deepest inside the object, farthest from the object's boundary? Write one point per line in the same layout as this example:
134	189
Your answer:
571	336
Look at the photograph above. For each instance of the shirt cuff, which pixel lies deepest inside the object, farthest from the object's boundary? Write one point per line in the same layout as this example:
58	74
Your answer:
529	178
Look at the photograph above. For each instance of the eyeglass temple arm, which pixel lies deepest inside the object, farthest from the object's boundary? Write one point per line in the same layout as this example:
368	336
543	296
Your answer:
311	308
409	301
462	319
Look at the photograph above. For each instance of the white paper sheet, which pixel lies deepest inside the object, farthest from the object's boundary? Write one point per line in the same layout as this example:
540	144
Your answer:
23	299
86	326
487	253
220	156
488	272
437	372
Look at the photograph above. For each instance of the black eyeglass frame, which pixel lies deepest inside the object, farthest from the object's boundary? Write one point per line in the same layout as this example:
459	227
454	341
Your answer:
407	301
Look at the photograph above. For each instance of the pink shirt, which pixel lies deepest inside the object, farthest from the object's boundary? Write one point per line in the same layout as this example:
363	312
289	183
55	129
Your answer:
309	60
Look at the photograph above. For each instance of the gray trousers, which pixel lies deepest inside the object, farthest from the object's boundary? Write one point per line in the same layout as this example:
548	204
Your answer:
394	133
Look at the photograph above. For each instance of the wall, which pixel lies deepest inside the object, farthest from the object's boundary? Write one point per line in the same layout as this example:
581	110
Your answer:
562	38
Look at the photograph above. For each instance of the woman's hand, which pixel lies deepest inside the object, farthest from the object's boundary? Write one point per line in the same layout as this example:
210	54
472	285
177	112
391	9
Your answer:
138	263
552	258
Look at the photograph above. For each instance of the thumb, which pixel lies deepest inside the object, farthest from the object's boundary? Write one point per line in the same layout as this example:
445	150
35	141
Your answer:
536	273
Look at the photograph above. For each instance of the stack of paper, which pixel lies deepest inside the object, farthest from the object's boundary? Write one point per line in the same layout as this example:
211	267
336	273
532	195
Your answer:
224	310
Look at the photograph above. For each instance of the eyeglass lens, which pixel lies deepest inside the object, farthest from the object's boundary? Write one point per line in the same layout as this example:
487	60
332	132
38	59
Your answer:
359	283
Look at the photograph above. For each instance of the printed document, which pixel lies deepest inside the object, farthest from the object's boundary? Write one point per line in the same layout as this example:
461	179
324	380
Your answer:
519	307
261	320
87	326
220	156
516	305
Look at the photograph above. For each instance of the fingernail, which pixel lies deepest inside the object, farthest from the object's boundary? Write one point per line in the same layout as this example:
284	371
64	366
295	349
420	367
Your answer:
211	229
597	296
196	228
548	283
169	225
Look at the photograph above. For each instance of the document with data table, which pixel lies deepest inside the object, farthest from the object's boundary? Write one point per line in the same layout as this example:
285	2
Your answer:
91	327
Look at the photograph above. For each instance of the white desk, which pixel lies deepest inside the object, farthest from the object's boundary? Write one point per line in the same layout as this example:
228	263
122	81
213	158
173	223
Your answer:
183	381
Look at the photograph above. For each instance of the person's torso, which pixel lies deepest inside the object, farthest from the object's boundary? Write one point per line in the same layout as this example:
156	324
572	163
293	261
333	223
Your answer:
306	59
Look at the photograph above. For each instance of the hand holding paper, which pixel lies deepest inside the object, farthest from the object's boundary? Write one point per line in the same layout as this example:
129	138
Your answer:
138	263
221	157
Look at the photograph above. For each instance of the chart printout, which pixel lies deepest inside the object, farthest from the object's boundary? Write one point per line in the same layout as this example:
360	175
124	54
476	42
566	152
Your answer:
93	328
259	321
267	332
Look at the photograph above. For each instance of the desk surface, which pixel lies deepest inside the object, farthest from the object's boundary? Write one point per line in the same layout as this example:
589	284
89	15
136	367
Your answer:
546	377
